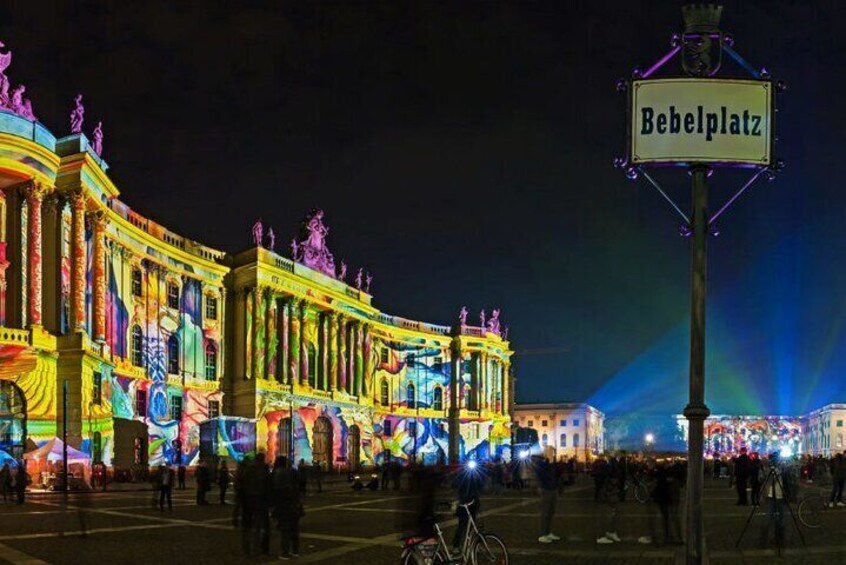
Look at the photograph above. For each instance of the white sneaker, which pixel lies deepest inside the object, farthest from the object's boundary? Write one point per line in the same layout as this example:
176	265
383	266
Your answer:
613	536
553	537
604	540
545	539
841	504
645	540
830	505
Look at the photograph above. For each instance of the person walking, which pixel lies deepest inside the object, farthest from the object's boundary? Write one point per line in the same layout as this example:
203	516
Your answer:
741	476
548	486
302	477
180	475
240	492
21	479
386	473
165	487
287	508
318	475
6	482
838	478
223	478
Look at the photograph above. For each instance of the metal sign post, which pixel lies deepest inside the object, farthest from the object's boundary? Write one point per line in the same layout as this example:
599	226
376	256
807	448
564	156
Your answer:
700	123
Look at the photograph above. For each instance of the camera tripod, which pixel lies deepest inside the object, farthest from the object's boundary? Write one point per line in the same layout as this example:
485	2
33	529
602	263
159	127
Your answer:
772	479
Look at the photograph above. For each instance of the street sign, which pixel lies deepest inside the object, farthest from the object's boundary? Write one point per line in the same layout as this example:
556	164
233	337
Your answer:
681	121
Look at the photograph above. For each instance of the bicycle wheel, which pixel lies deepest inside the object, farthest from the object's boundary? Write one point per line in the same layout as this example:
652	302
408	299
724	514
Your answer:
490	550
811	510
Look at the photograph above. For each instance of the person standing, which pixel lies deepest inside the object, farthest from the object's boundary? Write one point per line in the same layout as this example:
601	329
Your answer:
318	475
287	508
838	478
778	490
549	495
223	478
180	475
6	482
20	481
755	478
396	474
258	493
302	477
165	487
203	483
386	470
741	476
469	483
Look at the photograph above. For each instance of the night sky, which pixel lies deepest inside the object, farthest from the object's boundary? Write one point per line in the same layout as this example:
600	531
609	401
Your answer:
463	154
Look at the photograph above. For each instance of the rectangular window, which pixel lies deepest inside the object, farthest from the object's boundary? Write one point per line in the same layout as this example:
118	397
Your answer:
211	307
175	407
563	442
386	427
575	440
214	409
543	423
384	355
439	360
140	403
563	423
531	423
97	392
412	428
576	423
137	282
172	295
839	423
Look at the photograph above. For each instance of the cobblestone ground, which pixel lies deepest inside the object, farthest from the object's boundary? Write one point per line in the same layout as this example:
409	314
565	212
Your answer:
344	527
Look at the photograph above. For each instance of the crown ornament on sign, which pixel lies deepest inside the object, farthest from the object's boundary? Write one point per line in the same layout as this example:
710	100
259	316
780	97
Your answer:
702	18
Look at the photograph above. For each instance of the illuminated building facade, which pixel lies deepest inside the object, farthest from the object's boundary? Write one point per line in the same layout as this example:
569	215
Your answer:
824	431
363	386
153	334
564	430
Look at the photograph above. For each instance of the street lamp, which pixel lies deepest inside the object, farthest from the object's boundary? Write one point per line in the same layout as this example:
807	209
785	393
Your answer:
649	439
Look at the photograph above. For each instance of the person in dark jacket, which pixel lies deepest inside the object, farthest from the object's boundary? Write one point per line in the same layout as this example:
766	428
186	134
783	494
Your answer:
258	493
203	482
838	478
548	484
287	507
180	476
741	477
240	493
755	478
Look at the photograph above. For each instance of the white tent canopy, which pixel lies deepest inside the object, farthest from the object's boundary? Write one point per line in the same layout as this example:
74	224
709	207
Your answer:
52	451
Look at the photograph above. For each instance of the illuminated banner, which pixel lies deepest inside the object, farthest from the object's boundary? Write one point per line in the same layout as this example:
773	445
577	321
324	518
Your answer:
695	120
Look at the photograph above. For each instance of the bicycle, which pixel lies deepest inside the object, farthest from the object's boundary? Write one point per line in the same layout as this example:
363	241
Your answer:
477	548
812	508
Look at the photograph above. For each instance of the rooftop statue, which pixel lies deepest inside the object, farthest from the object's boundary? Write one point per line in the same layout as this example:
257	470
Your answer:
271	239
358	278
315	253
294	250
97	139
367	281
77	115
493	323
482	318
343	274
462	316
258	233
14	102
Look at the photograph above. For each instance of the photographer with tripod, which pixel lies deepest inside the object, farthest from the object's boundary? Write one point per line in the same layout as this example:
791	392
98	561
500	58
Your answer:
778	490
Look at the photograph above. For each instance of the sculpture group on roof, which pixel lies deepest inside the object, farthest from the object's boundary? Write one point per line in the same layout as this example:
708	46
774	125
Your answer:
12	99
491	325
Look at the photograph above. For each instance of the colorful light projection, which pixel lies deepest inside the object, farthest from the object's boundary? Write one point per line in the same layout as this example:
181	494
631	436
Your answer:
227	436
726	435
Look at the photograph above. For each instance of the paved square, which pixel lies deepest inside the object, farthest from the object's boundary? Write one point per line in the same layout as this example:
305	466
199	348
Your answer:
341	526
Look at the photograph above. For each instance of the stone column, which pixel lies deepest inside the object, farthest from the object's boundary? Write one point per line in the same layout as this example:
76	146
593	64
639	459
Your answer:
304	368
351	333
51	253
98	221
221	345
367	352
34	193
294	343
249	331
283	307
272	334
333	351
260	333
342	353
454	401
324	351
78	261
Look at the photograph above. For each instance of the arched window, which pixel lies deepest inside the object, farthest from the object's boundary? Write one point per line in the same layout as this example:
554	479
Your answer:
312	366
137	346
383	393
563	442
576	440
545	440
211	362
438	399
409	393
173	355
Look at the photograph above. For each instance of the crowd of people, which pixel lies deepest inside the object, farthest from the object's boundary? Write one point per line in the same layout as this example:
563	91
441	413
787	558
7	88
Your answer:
13	483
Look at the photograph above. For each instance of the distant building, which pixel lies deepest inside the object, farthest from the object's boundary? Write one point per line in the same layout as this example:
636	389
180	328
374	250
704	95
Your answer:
823	430
564	429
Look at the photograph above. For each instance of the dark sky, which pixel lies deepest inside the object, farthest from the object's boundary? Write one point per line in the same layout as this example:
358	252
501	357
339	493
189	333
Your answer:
462	153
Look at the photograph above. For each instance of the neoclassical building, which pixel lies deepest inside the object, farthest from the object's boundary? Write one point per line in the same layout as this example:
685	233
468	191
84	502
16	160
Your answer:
159	346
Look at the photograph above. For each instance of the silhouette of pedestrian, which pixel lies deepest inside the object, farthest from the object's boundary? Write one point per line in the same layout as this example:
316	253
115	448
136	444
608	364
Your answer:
165	487
287	508
223	478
